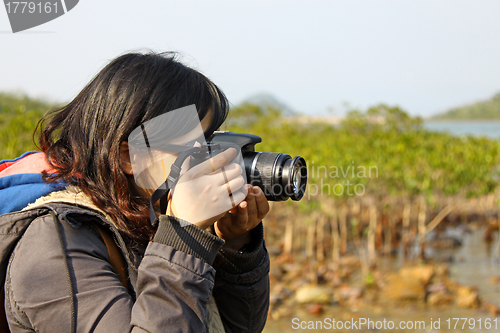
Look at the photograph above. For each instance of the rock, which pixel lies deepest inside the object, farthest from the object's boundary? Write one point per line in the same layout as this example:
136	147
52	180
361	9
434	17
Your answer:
403	287
347	292
437	288
281	312
438	294
408	284
423	273
313	294
315	309
491	308
439	298
441	272
467	297
333	278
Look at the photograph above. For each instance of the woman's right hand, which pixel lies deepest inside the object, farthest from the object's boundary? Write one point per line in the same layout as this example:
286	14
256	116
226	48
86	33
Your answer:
202	194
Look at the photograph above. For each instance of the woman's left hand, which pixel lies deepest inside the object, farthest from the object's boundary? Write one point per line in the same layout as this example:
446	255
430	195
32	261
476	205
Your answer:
235	226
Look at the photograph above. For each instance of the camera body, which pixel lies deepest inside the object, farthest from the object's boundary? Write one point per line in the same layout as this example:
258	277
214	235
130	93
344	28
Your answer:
280	176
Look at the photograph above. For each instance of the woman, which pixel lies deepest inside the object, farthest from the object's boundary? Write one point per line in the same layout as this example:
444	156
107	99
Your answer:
59	277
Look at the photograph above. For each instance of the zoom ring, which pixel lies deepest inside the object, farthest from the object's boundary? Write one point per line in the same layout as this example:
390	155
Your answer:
266	167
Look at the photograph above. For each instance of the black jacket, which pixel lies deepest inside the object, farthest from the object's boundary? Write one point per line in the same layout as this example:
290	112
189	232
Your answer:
59	277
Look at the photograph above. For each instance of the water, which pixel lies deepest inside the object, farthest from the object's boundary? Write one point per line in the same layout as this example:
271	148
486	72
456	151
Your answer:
476	263
487	128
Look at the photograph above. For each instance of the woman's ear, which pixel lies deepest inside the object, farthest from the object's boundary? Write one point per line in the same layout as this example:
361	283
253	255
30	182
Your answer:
125	163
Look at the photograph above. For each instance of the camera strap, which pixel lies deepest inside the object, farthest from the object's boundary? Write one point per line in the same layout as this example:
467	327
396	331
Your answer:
162	192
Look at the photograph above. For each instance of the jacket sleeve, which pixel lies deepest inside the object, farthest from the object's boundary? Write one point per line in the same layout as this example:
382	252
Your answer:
175	279
54	284
242	282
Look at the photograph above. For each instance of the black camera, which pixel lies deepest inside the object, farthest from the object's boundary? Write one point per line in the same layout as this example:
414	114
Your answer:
278	175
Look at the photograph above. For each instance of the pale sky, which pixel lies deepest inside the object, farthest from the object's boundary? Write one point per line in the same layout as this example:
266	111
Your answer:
423	55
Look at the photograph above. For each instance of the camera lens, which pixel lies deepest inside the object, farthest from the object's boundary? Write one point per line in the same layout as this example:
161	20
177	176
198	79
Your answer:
278	175
295	177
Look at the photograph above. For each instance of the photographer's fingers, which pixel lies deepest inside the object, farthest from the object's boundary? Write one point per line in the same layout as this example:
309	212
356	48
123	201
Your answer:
242	212
261	203
215	162
249	210
228	173
236	199
235	184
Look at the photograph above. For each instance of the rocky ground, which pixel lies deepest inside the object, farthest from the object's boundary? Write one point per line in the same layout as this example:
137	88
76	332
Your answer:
427	285
306	281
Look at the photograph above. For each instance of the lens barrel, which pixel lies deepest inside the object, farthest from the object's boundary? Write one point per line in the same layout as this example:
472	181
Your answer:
278	175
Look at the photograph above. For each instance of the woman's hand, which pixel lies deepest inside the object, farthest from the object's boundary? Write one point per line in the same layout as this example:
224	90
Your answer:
202	194
235	226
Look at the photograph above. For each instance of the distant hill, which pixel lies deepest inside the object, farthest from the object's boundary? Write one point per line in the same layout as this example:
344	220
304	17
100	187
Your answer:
268	100
10	101
489	109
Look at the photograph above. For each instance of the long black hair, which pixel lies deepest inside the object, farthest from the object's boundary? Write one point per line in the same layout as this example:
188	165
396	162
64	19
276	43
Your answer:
82	140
